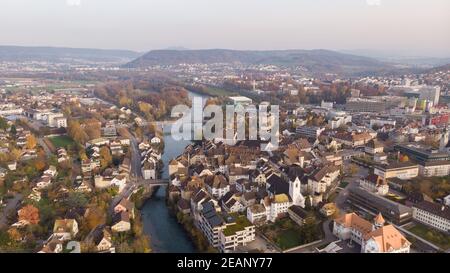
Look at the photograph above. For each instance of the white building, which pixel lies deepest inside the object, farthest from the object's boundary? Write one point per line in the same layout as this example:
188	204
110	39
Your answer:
435	168
376	184
373	238
402	170
256	214
276	206
381	122
295	193
432	214
236	234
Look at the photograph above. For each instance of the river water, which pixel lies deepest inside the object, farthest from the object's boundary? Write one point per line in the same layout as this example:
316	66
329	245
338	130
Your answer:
166	235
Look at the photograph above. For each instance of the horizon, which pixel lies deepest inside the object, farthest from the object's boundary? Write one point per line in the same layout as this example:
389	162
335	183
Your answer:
369	53
142	26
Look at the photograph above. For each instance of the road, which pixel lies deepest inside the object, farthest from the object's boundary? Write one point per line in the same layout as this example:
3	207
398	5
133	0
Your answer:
352	182
44	146
11	205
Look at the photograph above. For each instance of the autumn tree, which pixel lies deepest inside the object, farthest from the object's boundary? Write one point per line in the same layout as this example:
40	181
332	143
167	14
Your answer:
31	141
105	157
76	132
95	217
30	214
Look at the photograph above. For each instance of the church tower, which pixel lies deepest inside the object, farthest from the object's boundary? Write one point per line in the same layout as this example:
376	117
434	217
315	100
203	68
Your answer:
294	192
378	221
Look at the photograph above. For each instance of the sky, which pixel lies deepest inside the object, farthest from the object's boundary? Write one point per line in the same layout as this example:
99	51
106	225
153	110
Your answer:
407	27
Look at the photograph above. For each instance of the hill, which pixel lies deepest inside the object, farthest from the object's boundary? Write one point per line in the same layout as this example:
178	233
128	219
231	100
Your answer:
316	61
59	54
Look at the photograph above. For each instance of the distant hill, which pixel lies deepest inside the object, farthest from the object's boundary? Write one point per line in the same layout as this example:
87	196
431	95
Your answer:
443	68
316	61
58	54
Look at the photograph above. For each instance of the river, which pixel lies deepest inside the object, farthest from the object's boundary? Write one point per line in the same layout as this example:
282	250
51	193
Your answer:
166	235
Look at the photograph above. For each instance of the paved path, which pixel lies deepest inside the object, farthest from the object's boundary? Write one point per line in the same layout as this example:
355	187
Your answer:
44	146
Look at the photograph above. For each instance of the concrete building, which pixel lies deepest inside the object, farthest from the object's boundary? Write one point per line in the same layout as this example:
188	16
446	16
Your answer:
394	212
432	214
402	170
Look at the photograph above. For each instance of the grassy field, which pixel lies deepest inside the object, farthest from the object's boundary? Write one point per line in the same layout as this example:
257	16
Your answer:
61	141
286	234
438	238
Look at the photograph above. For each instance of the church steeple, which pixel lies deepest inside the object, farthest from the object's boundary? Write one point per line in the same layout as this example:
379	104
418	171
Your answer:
378	221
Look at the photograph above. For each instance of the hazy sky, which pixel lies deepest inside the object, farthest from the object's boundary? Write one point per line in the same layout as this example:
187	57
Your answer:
408	26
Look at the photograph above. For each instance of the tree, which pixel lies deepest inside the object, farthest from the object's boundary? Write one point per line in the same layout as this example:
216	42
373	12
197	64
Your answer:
93	128
353	169
95	217
31	141
76	132
105	157
13	130
39	165
3	124
30	214
404	158
76	200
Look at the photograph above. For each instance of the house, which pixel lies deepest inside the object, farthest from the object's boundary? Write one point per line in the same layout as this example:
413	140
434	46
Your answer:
65	229
100	237
373	237
125	205
155	140
230	203
125	167
374	183
276	206
121	222
328	209
373	147
447	200
297	214
217	185
149	170
12	165
183	206
119	181
432	214
54	245
256	214
321	178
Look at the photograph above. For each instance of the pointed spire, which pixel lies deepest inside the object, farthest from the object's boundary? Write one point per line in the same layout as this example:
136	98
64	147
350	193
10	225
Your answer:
379	220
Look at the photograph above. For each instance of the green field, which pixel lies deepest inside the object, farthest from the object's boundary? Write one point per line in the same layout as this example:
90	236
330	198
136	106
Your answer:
438	238
286	234
61	141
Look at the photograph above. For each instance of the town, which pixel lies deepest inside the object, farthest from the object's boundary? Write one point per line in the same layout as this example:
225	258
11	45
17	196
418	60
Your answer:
362	164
